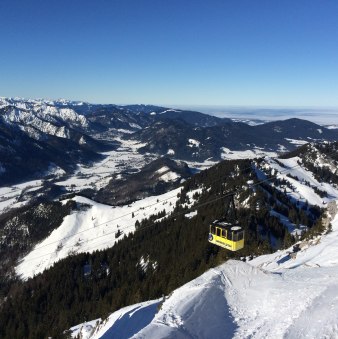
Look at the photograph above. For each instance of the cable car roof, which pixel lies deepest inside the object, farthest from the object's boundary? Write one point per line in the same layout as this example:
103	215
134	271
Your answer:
227	225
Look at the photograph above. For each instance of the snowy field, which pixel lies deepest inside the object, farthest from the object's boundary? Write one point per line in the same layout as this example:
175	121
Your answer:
273	296
125	158
92	229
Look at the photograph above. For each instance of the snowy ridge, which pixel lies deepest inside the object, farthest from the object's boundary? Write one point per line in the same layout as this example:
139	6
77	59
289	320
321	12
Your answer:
272	296
17	101
170	110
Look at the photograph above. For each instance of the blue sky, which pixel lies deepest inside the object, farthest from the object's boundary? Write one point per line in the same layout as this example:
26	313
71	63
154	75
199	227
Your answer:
172	52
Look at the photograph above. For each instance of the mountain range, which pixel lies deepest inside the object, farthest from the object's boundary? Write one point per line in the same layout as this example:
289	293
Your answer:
39	135
113	223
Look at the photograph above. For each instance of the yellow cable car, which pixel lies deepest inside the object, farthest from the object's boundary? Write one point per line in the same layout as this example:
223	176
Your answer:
226	235
225	232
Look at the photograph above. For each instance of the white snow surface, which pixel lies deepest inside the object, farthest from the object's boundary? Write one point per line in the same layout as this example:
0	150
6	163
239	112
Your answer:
191	214
303	192
127	321
296	142
332	127
163	169
170	110
10	196
272	296
84	330
91	229
226	153
169	176
193	143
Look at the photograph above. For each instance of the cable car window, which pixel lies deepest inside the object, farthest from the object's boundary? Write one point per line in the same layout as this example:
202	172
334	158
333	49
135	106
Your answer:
224	233
218	231
240	235
234	236
212	229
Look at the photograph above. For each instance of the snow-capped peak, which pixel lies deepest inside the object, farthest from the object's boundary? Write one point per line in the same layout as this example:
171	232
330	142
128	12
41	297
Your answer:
42	115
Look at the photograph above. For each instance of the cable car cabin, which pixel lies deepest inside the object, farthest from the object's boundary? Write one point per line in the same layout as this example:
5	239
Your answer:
226	235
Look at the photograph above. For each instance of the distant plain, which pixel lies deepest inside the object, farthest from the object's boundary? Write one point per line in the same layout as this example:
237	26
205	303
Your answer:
322	116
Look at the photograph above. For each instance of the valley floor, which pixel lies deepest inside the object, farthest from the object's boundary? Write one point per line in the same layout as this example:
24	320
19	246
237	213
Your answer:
125	159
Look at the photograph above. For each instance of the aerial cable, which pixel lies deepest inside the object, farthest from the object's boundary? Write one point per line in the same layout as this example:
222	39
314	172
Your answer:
142	208
195	207
121	216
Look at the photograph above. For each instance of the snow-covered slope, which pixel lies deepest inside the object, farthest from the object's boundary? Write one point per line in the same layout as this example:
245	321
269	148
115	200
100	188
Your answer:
93	228
272	296
302	181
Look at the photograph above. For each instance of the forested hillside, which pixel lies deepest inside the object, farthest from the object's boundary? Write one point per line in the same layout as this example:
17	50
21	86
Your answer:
160	256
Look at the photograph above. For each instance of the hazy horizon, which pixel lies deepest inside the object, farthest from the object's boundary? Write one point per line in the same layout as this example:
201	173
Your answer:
319	115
